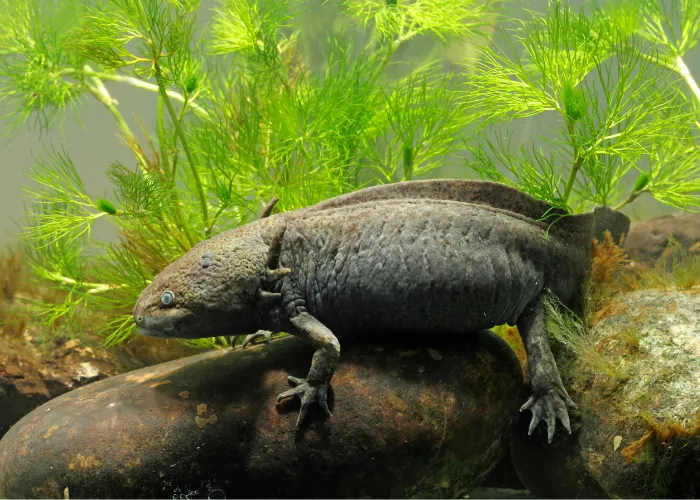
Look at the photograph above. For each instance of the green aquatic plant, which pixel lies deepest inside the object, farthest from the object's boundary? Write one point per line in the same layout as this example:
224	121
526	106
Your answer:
676	268
626	124
684	270
240	117
572	332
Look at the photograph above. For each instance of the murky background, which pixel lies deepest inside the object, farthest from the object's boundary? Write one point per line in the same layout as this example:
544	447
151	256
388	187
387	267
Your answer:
93	144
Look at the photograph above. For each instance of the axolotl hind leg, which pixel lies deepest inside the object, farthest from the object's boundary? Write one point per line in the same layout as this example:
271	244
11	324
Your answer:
314	388
549	397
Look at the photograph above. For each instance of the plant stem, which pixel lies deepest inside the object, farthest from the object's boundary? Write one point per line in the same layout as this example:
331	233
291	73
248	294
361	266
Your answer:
165	158
160	127
578	161
101	94
572	177
185	145
682	69
184	225
180	117
93	287
678	66
633	196
135	82
390	50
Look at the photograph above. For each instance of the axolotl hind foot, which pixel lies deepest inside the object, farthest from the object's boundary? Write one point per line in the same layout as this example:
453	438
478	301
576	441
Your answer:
549	407
549	399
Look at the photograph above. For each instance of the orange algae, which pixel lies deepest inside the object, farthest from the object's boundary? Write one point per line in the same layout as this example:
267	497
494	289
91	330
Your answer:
608	258
661	433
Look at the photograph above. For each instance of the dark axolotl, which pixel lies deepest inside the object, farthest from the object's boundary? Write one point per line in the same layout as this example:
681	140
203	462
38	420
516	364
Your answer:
417	257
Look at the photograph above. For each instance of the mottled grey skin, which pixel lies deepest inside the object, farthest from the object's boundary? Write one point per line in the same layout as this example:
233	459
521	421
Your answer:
423	257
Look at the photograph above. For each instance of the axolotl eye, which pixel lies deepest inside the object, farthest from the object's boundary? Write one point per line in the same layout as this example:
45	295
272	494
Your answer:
167	298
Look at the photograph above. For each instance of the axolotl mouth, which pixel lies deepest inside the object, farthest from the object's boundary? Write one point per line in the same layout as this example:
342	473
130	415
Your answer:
153	333
165	323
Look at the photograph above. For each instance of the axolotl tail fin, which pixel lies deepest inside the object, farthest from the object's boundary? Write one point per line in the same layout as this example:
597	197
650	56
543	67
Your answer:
575	229
488	193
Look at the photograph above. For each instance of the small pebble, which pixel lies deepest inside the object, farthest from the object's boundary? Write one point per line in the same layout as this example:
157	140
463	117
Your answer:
407	354
616	442
435	354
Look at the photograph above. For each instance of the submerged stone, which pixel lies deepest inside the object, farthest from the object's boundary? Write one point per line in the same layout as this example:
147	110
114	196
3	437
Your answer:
637	431
648	241
31	376
207	426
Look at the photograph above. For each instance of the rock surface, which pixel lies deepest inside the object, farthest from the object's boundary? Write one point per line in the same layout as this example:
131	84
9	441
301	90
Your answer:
553	470
647	241
638	429
404	424
31	375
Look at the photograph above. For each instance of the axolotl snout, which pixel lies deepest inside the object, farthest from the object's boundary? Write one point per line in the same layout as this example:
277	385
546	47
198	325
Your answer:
211	289
420	257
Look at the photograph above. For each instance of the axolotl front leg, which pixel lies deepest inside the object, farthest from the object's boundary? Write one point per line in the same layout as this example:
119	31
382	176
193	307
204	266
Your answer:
314	388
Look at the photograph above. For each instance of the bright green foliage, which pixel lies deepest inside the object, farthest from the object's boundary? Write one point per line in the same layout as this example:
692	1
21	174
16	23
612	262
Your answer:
31	58
424	121
673	26
243	25
240	118
574	100
402	20
63	212
534	173
573	333
617	106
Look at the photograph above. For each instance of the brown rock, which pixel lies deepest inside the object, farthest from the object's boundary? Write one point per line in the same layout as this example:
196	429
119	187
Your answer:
395	432
30	376
13	370
647	240
637	431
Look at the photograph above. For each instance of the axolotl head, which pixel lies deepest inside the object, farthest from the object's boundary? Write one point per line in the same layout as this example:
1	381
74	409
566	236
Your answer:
212	290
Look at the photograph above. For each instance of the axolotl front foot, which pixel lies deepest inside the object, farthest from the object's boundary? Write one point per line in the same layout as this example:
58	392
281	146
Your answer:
264	334
314	388
308	394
